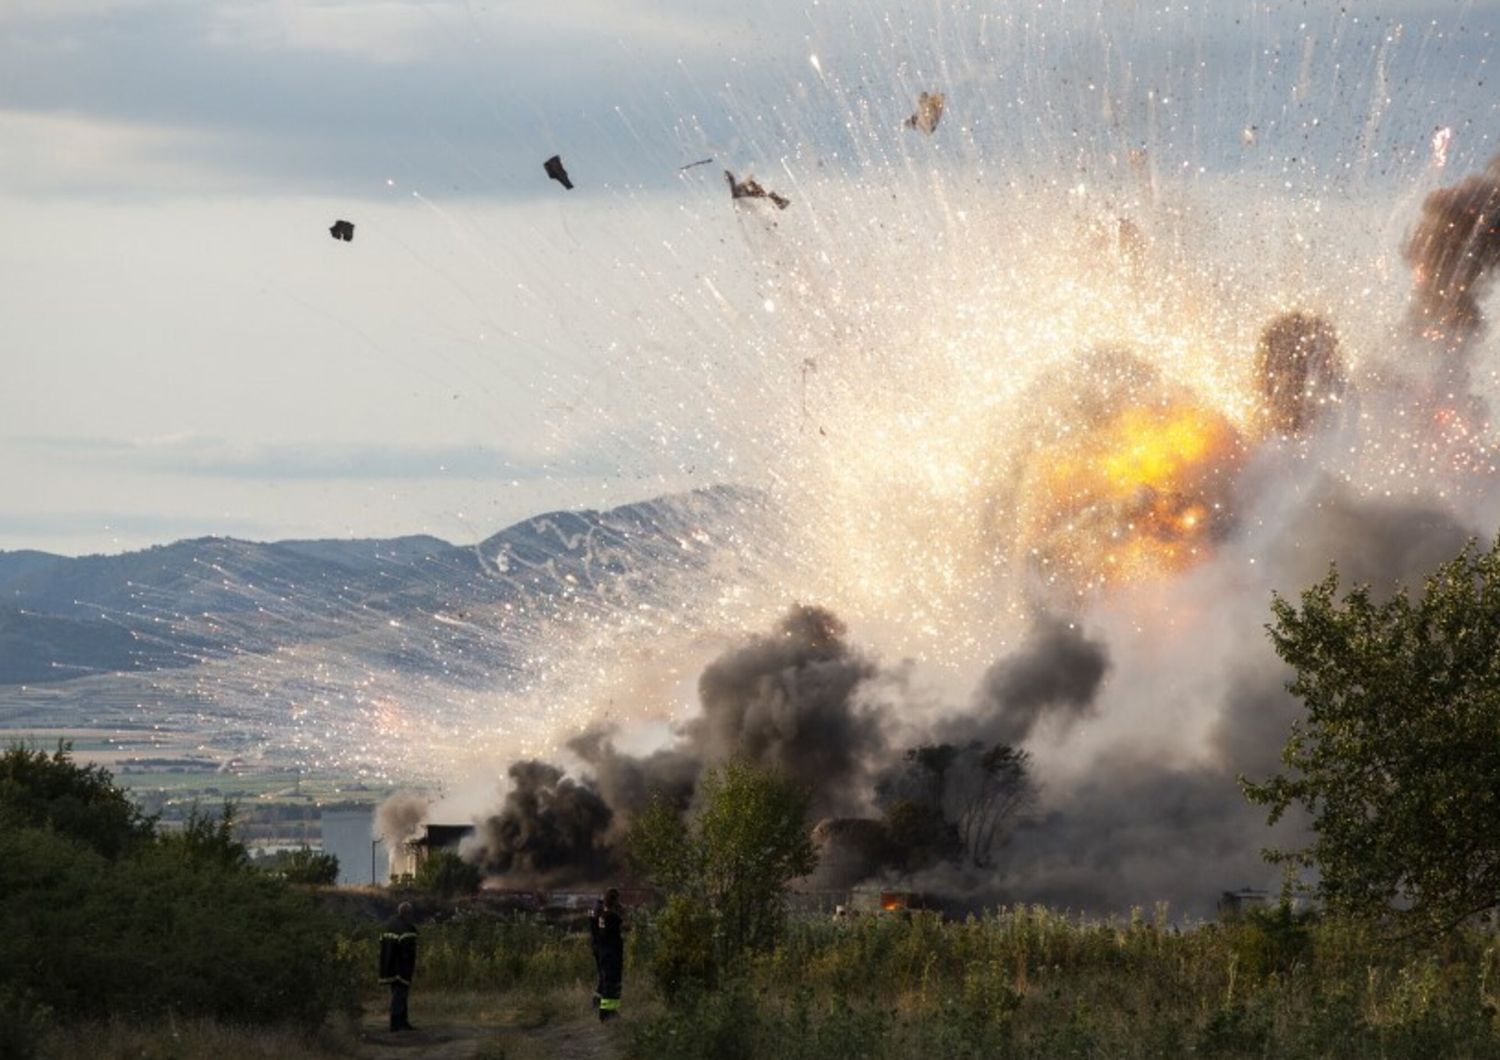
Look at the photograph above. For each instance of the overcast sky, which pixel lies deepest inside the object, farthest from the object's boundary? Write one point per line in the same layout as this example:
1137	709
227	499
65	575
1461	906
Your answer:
186	351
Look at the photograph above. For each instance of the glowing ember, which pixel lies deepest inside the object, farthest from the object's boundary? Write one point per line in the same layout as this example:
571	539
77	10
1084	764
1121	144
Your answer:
1440	141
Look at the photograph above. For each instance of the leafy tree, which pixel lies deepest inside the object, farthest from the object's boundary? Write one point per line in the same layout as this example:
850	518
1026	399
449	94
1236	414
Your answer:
665	851
684	959
42	790
953	802
205	839
987	789
445	874
748	840
1397	760
921	835
309	866
174	923
752	834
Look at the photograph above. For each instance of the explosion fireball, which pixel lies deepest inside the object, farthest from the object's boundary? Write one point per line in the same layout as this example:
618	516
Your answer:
1141	493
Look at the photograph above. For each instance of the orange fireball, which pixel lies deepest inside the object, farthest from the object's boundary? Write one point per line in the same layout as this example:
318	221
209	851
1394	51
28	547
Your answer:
1141	491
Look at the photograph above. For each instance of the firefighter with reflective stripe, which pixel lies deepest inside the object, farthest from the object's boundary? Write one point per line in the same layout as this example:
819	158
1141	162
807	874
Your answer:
398	962
606	933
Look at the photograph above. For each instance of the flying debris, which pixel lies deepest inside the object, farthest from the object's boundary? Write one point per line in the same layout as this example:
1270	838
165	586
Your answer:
751	189
929	112
342	230
695	165
555	170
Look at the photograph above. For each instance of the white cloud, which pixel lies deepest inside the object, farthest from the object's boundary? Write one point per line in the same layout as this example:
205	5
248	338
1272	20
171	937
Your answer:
646	26
397	31
236	459
388	31
53	11
59	152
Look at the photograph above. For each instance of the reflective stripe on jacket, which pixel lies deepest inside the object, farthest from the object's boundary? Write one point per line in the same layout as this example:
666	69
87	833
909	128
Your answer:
398	951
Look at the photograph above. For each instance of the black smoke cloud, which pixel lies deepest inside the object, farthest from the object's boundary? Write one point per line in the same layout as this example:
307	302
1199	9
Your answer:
629	782
550	828
1299	370
1134	824
1136	832
788	699
1056	673
1137	827
1452	250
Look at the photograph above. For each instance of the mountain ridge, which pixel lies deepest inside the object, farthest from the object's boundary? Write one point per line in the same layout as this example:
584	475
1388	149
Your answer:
174	605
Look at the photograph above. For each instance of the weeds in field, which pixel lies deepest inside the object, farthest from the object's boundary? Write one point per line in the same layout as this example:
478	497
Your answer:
1035	983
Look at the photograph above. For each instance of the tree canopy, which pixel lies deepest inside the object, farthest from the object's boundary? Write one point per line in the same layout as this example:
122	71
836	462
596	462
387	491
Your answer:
106	917
1397	760
445	874
80	802
748	840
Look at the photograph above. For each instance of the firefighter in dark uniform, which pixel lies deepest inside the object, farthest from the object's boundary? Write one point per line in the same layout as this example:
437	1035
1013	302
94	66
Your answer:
398	962
594	916
606	934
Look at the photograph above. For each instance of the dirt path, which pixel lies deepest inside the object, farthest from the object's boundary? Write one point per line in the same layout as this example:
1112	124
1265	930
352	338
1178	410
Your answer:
583	1039
569	1033
450	1041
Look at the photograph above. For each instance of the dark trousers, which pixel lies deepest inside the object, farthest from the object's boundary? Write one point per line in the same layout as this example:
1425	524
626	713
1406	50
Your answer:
611	965
399	993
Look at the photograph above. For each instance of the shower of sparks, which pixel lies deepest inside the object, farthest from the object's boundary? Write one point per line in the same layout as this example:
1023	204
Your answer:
939	464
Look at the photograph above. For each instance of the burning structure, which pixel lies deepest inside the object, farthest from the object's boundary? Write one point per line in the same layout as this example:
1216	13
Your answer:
407	858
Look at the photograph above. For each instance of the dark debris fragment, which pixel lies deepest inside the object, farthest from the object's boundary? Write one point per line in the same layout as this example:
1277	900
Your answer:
555	170
928	113
751	189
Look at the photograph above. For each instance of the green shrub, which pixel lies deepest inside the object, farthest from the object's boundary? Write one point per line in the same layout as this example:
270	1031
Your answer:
683	957
446	875
723	1024
308	866
24	1022
161	931
106	918
39	790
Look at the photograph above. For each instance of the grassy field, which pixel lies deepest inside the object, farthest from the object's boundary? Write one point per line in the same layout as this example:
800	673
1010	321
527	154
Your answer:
1024	983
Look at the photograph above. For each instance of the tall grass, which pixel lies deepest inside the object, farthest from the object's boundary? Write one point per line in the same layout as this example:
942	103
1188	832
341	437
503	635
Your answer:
1034	983
483	953
1025	982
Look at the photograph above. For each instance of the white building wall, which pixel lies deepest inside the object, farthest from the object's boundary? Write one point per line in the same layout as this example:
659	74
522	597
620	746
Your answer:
348	835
